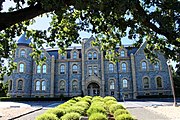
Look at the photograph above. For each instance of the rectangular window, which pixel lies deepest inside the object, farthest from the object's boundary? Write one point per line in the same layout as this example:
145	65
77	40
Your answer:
95	70
90	70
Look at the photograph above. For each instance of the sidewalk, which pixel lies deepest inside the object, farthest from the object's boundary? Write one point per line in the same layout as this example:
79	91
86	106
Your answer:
13	110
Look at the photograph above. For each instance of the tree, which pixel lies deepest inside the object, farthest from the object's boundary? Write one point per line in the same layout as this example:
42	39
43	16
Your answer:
156	21
3	89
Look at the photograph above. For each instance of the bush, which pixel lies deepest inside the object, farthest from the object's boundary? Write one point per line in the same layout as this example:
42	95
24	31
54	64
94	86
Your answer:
97	98
57	111
119	112
77	98
98	116
64	106
107	98
87	99
76	109
109	103
114	107
83	104
47	116
71	116
124	117
96	109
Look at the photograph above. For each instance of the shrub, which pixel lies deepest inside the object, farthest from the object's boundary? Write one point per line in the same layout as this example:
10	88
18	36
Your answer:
109	103
97	103
98	116
71	116
97	98
77	98
64	106
124	117
107	98
119	112
76	109
96	109
47	116
114	107
82	104
57	111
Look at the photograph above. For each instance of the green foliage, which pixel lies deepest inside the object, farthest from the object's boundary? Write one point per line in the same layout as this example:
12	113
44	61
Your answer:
71	116
124	117
47	116
83	104
76	109
119	112
97	98
108	98
3	89
96	109
114	107
98	116
109	103
77	99
57	111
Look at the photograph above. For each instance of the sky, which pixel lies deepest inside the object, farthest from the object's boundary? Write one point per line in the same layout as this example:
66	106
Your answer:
42	23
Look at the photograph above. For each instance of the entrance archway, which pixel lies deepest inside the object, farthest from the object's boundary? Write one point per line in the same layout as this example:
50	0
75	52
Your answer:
93	89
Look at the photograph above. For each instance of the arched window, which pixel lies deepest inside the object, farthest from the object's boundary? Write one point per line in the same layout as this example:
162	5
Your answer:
89	56
125	83
38	69
124	67
111	84
44	68
111	67
21	67
20	84
95	56
22	53
146	82
62	69
74	55
43	83
74	85
143	65
157	66
122	53
74	69
10	85
37	85
62	85
159	82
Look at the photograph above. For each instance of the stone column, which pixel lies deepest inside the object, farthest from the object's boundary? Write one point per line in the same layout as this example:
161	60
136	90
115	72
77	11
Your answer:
52	76
133	76
102	74
83	77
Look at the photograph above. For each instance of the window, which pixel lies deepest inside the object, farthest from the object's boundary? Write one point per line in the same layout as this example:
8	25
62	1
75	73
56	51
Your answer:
42	55
74	85
21	67
62	85
111	67
44	69
95	56
157	66
90	70
122	53
143	65
74	68
20	84
125	83
37	85
124	68
62	69
74	55
112	84
146	82
38	69
22	53
95	70
43	85
89	56
10	85
159	82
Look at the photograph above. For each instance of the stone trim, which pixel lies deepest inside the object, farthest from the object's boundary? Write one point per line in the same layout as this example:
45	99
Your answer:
147	65
92	49
65	55
59	68
128	83
125	52
19	54
127	70
161	82
21	62
143	82
23	82
40	80
74	80
72	52
59	84
71	67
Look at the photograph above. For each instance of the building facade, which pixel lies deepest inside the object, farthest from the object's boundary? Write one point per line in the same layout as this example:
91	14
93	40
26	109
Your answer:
84	70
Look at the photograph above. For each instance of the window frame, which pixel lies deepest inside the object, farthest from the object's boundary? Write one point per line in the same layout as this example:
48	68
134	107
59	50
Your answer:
111	68
146	84
21	68
124	83
44	70
74	71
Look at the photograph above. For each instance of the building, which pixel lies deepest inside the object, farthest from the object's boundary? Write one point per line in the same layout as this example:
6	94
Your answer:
84	70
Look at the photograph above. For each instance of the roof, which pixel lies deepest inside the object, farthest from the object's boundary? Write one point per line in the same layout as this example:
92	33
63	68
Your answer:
22	40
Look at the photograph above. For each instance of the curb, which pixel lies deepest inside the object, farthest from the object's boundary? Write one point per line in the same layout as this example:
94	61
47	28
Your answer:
26	113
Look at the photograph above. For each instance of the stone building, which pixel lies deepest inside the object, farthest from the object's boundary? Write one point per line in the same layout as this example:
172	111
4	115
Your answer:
84	70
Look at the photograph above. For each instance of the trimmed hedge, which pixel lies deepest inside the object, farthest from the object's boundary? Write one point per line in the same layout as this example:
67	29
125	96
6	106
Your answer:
114	107
71	116
96	109
120	112
76	109
98	116
57	111
124	117
47	116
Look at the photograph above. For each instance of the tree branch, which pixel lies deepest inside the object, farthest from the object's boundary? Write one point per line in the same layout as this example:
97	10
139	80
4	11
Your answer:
10	18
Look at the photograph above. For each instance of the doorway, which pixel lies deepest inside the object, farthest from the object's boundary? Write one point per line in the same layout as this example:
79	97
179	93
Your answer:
93	89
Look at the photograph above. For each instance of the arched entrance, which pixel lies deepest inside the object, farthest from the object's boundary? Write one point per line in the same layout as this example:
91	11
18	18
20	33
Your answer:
93	89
